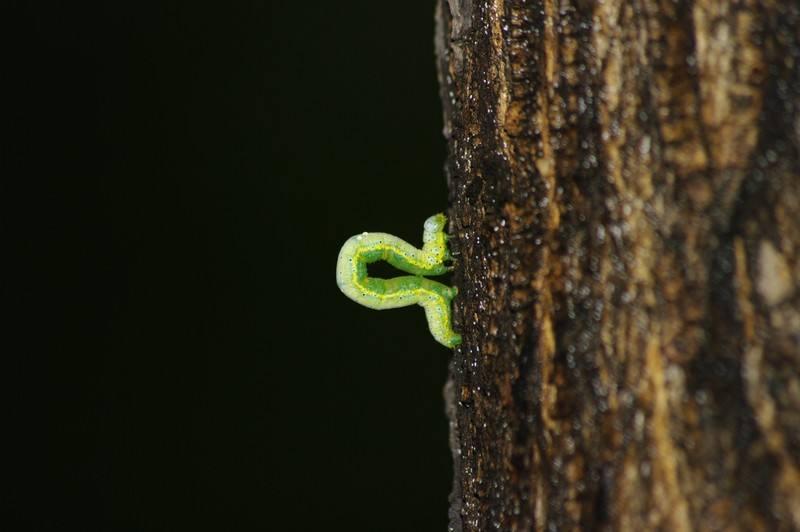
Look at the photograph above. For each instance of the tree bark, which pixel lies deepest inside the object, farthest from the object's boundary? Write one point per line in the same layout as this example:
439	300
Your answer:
624	182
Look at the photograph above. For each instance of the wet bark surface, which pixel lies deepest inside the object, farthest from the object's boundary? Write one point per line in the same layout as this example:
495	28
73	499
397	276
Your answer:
624	182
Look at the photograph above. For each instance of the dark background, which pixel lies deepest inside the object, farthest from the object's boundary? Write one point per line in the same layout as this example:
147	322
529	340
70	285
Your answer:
186	173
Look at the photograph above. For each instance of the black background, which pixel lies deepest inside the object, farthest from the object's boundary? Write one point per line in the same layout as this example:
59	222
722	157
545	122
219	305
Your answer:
187	172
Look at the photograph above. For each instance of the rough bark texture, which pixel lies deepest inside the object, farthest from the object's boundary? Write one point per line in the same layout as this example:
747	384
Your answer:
625	189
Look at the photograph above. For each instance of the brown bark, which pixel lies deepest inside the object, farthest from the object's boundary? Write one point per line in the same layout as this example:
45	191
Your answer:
625	187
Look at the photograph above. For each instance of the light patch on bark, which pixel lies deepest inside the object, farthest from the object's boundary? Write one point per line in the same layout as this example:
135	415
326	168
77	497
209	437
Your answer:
758	387
774	283
461	12
730	66
670	506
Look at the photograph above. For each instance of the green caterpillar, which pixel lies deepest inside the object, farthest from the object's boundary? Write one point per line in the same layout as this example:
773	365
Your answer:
414	289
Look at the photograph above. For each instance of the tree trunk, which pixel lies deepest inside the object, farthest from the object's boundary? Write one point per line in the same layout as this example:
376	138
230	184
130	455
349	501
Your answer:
625	187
